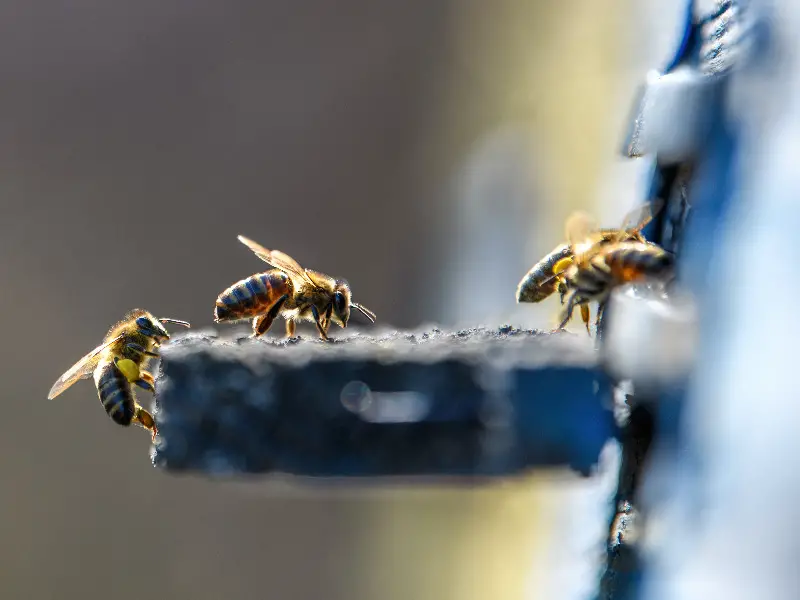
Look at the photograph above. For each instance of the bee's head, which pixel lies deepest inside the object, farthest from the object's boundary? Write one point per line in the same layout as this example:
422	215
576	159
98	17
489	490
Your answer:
148	325
341	303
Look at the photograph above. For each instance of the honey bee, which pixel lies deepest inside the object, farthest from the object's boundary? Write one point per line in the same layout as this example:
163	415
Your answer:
597	267
545	277
290	290
117	363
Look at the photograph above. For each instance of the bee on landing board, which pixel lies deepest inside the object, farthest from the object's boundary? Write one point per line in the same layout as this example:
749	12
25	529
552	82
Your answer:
544	278
596	268
119	362
289	290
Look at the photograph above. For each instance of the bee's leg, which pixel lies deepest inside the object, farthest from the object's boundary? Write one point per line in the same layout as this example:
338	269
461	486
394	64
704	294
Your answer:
562	289
138	348
600	310
566	314
290	328
263	322
327	324
585	314
145	419
320	329
146	381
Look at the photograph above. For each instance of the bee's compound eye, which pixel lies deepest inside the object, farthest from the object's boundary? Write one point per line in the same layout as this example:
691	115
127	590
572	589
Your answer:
338	300
144	323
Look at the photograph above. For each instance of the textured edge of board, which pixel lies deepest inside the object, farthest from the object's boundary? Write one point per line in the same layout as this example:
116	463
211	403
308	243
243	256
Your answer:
478	402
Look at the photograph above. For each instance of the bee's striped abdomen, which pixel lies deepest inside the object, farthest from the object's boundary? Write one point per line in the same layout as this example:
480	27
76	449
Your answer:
115	393
253	296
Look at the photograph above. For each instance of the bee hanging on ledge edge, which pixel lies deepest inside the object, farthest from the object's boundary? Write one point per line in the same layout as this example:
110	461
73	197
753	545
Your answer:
596	268
546	276
119	362
296	293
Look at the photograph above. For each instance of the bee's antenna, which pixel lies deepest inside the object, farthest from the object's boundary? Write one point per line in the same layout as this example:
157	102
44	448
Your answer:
175	322
364	311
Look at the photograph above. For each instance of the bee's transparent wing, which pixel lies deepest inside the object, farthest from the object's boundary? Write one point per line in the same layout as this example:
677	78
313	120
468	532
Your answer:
276	258
638	218
578	229
81	369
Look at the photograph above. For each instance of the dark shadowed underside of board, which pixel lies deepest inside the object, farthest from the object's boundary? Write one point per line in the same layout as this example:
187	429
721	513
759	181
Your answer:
477	402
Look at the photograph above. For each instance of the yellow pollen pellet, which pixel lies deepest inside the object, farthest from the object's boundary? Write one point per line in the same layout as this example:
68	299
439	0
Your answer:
128	368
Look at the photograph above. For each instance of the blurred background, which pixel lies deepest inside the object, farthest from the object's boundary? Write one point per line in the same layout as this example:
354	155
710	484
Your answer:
414	148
